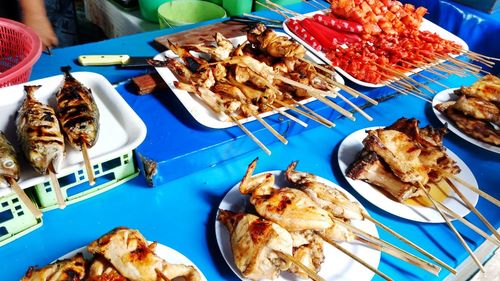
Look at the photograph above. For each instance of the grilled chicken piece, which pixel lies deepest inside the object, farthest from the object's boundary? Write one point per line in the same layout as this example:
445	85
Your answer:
102	270
401	154
9	166
487	88
370	168
288	207
254	242
179	70
39	133
193	63
478	108
128	252
220	52
427	136
277	46
77	112
329	198
64	270
310	255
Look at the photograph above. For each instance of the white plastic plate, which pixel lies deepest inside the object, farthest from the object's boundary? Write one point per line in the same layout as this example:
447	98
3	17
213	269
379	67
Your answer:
198	109
121	130
166	253
426	26
348	152
448	95
337	266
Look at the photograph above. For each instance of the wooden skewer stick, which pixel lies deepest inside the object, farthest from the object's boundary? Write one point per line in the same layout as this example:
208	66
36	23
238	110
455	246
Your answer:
316	94
56	187
271	129
473	209
252	136
448	222
432	80
289	116
413	245
312	112
24	198
313	275
401	75
484	61
161	275
272	9
469	224
88	165
361	111
465	64
476	190
390	249
321	5
483	56
288	11
426	67
262	18
314	118
351	255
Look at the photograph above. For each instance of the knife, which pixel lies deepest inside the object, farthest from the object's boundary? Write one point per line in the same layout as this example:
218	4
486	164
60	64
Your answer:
121	60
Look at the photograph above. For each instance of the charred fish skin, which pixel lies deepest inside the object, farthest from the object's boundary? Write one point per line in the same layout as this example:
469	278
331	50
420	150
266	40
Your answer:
9	166
39	133
77	112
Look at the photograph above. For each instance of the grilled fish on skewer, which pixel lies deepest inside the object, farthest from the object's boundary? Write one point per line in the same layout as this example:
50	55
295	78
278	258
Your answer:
64	270
254	242
77	112
39	133
121	247
9	166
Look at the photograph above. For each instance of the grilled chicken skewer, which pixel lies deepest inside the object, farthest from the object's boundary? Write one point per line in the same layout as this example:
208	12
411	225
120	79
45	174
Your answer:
41	139
10	171
79	117
64	270
121	247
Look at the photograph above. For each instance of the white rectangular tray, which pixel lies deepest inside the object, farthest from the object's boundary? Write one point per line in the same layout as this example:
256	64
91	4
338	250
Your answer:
426	26
121	130
198	109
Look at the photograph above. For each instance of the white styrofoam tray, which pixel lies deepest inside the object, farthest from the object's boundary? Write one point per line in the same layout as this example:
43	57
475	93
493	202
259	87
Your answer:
121	130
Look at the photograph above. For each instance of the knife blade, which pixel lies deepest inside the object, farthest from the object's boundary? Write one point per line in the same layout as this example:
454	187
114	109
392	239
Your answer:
121	60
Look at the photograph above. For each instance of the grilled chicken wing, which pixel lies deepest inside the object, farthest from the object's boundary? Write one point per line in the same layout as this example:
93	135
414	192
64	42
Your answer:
128	252
77	112
39	133
102	270
288	207
64	270
9	166
254	242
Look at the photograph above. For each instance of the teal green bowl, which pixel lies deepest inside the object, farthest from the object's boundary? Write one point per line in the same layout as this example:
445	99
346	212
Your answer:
177	13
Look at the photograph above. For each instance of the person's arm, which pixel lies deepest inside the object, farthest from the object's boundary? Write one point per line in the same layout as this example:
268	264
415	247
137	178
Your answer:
33	14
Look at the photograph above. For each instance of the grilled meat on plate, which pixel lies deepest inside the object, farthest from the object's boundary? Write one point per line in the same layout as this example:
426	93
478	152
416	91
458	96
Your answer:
9	166
487	88
128	251
64	270
77	112
478	108
102	270
39	133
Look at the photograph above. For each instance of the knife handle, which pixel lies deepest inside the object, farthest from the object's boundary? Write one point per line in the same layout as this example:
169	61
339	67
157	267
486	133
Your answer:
102	59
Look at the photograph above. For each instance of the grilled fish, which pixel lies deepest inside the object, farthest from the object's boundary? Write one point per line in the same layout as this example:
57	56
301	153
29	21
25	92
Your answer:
77	112
39	133
9	166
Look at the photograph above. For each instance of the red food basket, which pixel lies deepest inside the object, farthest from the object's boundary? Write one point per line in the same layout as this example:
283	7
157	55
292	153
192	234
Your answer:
20	48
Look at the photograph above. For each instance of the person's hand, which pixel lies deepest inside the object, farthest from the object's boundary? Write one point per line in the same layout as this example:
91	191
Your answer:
42	26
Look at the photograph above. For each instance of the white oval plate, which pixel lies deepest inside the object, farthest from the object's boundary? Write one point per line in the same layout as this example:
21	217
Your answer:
337	266
199	110
349	150
168	254
448	95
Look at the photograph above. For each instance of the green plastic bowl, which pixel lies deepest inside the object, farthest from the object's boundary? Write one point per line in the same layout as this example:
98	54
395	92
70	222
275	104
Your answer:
177	13
258	7
149	9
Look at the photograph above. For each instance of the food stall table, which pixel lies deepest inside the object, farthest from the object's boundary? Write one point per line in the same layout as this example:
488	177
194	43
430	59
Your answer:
181	212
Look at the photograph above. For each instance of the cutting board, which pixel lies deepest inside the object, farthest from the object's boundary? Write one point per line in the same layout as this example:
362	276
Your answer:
202	34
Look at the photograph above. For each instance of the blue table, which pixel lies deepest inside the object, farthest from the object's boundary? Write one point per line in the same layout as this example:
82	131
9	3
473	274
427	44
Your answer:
181	213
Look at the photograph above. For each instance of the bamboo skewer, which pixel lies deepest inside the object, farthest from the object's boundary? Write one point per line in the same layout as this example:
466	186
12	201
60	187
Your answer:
425	67
271	129
313	275
469	224
24	198
384	246
161	275
473	209
476	190
314	118
413	245
432	80
252	136
448	222
362	112
321	4
289	116
279	7
88	165
359	260
56	187
483	56
310	111
262	18
272	9
402	75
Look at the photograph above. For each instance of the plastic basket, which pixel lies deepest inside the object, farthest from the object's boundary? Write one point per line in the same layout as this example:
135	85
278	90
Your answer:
20	48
